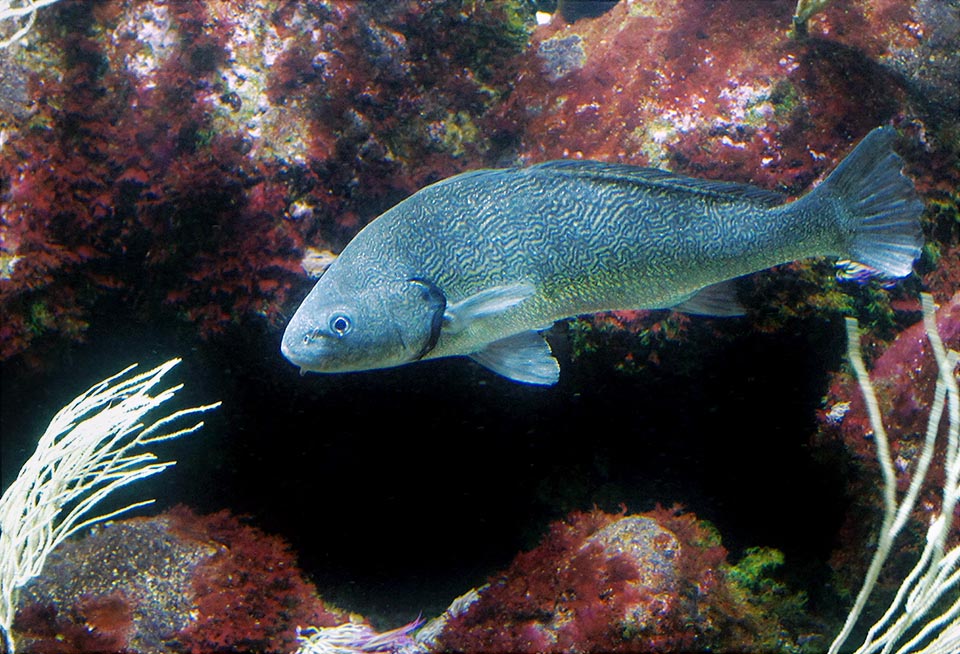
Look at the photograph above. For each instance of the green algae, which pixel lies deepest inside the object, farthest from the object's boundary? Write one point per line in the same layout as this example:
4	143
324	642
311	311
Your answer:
751	573
8	263
782	612
41	318
457	132
785	99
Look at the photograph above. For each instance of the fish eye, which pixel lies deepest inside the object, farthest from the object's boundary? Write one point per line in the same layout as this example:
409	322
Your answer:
340	324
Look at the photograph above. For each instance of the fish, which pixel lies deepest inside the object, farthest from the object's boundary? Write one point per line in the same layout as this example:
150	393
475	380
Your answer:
480	264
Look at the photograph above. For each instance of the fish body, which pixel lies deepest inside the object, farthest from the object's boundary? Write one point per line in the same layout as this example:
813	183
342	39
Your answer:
479	263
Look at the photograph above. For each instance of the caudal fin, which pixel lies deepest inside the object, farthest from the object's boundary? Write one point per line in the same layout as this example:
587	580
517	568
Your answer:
879	208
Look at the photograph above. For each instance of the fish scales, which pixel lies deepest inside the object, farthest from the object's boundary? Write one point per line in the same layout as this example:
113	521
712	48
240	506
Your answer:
478	263
635	252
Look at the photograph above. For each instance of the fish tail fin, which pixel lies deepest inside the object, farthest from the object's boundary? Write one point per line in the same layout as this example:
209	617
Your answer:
879	210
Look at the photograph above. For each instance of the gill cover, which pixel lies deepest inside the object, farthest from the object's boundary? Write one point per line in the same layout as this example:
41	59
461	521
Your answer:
429	309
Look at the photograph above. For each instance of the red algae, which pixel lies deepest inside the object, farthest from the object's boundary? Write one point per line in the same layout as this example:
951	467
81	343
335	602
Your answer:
676	85
127	170
250	595
101	624
179	156
602	583
177	582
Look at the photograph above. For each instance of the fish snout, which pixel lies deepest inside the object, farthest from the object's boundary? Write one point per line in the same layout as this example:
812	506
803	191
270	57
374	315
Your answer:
300	348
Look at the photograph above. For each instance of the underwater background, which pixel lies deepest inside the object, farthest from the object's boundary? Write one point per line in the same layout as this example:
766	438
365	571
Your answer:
175	174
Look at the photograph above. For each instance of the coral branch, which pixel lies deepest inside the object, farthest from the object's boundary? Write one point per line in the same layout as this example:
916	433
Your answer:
86	454
22	13
937	571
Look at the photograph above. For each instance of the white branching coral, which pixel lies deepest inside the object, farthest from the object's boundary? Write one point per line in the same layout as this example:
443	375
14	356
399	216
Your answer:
924	615
805	9
91	449
18	16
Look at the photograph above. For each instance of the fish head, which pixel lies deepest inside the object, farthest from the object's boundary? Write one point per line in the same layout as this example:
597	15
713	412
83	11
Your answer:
383	323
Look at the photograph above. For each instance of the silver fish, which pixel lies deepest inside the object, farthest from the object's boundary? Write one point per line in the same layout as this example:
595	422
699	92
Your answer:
480	263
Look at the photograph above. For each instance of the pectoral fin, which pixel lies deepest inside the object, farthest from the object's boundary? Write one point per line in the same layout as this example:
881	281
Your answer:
486	303
524	357
714	300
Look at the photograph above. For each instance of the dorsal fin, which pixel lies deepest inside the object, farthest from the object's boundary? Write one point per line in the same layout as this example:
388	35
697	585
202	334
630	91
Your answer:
606	173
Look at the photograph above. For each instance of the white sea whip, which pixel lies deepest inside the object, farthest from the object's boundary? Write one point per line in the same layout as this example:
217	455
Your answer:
937	572
22	13
86	454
